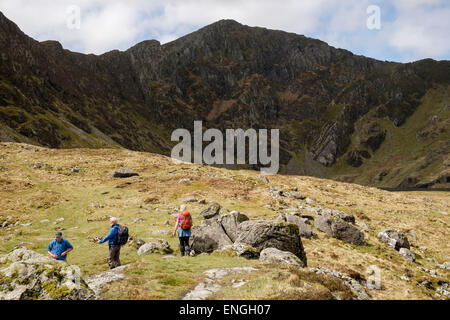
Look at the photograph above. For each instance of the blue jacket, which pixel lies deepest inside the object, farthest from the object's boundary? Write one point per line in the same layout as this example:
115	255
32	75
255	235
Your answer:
57	248
113	236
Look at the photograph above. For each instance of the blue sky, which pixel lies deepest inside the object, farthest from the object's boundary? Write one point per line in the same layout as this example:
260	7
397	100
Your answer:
409	30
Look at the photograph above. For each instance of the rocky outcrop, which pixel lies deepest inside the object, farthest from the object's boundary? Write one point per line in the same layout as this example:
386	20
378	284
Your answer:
262	234
26	275
335	226
276	256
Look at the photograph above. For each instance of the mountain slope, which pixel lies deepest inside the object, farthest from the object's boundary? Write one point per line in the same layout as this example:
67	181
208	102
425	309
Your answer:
337	112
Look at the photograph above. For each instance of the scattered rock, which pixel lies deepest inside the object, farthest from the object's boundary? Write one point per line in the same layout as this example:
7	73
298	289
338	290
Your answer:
426	283
97	282
274	255
189	199
211	211
339	229
443	288
394	239
135	242
124	172
205	289
405	278
159	246
357	287
408	255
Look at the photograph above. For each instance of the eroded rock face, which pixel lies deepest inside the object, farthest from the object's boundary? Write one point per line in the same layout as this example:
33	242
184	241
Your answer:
262	234
394	239
274	255
26	274
339	229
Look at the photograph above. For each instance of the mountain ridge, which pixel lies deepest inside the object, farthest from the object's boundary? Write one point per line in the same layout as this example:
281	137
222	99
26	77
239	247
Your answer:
231	75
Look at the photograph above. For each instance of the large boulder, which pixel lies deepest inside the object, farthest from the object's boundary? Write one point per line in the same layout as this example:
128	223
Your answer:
158	246
261	234
209	237
394	239
212	211
304	229
339	229
274	255
230	222
124	172
26	275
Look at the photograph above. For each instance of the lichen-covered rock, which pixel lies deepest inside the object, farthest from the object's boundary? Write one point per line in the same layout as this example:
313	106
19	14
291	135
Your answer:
274	255
212	211
262	234
158	246
245	251
26	274
394	239
304	229
338	228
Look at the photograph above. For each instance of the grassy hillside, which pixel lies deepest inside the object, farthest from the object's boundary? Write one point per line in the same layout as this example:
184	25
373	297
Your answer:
38	183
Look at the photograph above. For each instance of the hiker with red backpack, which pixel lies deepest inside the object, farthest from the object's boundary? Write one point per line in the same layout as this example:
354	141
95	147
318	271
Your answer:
116	237
183	226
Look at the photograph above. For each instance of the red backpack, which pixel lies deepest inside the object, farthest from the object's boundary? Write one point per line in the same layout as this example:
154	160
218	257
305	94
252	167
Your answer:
186	220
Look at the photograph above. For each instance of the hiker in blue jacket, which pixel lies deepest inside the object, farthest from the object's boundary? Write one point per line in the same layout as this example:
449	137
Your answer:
113	243
59	247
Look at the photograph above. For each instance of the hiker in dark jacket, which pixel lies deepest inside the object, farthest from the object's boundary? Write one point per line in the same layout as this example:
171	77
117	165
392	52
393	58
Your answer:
114	248
59	247
183	226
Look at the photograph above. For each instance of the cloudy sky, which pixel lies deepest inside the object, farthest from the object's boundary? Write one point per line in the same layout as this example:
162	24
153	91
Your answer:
409	29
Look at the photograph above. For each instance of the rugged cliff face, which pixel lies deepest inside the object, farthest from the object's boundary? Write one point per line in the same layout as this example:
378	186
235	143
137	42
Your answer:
340	115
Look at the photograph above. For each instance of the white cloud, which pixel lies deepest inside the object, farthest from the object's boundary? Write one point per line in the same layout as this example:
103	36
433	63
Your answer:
417	28
421	29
